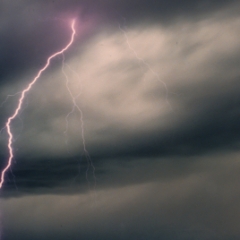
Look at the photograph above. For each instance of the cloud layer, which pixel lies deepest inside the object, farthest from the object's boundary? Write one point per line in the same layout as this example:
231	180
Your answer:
157	85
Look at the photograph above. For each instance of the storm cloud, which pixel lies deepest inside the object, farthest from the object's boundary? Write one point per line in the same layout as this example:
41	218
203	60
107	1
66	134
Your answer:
157	153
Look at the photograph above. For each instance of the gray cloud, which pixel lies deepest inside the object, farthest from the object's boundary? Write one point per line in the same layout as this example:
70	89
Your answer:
188	207
32	21
165	168
123	99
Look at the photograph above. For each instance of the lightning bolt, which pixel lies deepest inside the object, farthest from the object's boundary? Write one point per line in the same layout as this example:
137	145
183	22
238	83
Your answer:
146	64
73	98
76	107
20	102
8	96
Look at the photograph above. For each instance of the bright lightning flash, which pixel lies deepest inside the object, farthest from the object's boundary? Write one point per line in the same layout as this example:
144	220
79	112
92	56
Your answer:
20	102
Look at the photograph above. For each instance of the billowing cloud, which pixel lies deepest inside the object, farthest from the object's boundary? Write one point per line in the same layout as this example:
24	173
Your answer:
158	89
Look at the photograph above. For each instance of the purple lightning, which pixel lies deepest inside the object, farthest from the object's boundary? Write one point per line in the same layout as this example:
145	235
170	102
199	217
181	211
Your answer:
20	101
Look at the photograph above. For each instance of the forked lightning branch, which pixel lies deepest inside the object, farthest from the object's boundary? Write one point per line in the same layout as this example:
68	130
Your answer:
20	103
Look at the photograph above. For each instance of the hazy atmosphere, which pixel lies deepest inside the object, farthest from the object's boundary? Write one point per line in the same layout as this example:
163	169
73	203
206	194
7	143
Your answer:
133	133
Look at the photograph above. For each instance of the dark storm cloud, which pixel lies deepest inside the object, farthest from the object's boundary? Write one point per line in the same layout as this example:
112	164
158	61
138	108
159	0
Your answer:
30	32
212	125
205	122
143	10
44	175
214	129
195	207
164	168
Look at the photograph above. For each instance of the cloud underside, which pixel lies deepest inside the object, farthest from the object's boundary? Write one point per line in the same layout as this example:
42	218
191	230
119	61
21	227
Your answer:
200	205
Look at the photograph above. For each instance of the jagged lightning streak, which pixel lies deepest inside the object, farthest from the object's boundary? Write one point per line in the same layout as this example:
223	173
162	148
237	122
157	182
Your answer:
20	102
76	106
146	64
73	98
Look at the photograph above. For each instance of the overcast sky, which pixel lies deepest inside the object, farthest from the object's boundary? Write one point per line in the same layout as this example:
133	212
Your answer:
151	148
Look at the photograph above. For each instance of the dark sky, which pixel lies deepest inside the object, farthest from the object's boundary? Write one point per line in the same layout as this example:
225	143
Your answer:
150	150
